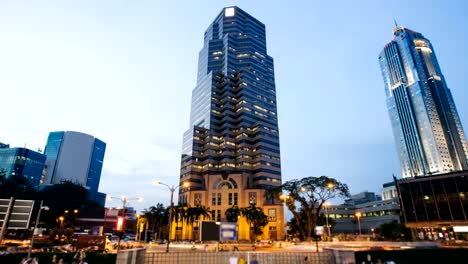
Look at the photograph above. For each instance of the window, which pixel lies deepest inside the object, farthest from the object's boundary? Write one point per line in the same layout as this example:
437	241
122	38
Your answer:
198	199
219	198
230	198
235	198
213	199
272	215
252	197
218	215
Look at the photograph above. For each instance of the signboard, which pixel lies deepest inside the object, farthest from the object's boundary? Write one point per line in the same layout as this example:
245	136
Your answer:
319	230
209	231
16	213
228	231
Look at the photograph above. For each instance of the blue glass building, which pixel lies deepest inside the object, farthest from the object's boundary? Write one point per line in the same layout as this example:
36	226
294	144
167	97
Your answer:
22	162
231	151
426	126
76	157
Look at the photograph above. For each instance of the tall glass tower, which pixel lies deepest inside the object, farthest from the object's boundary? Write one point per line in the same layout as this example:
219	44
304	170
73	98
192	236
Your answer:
231	150
426	126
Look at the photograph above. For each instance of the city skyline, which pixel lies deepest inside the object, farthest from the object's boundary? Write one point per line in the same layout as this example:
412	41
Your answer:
129	60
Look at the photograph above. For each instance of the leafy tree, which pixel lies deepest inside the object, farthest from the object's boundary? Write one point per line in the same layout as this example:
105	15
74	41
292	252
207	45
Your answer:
309	194
16	186
394	231
62	197
293	228
232	214
256	219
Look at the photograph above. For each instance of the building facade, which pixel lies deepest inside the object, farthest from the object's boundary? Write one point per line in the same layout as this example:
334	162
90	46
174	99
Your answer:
22	162
231	151
75	157
389	191
426	126
373	213
435	207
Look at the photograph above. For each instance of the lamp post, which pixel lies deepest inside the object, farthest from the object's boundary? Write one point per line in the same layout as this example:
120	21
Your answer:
171	189
45	208
284	198
358	215
124	201
137	228
327	204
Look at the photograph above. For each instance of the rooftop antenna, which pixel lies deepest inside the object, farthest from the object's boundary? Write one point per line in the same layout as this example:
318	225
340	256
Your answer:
396	23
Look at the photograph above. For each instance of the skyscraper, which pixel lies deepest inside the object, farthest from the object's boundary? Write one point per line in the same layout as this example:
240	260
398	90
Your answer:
231	150
426	126
76	157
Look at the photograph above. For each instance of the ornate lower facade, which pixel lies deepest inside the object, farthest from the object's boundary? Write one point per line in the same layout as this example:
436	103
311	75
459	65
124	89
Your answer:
224	192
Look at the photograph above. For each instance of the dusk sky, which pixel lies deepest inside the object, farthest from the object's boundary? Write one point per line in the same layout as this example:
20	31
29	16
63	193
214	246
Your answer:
123	71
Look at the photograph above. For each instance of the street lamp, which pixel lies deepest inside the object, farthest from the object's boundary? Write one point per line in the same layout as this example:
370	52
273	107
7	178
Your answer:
284	198
327	204
124	201
171	189
358	215
45	208
373	234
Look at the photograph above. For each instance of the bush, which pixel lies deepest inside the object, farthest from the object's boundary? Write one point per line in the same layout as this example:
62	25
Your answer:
46	257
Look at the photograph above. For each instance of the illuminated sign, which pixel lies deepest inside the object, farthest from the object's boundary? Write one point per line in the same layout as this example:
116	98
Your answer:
229	12
120	222
460	229
228	232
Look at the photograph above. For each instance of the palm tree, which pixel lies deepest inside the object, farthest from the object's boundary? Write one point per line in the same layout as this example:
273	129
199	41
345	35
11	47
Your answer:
157	217
256	219
232	214
178	215
193	214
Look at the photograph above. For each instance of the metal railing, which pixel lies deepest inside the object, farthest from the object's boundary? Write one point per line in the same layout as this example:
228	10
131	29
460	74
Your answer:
248	256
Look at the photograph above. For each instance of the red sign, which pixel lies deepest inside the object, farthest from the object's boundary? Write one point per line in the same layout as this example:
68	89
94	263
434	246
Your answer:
120	223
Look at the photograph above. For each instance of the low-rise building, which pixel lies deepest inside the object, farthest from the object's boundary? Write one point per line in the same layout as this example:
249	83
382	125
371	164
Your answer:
363	212
22	162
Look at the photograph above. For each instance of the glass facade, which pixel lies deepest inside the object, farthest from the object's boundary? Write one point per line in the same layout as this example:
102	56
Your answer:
52	150
21	162
435	200
81	149
426	126
95	166
233	121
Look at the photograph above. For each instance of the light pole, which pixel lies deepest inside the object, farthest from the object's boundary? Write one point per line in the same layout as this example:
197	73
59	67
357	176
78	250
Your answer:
124	201
45	208
137	228
358	215
284	198
171	189
327	204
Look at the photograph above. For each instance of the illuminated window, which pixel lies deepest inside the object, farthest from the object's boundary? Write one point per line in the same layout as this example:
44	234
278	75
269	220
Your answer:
229	12
272	215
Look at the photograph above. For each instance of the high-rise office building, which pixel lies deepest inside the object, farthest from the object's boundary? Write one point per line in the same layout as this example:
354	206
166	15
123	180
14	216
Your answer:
231	151
426	126
75	157
22	162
